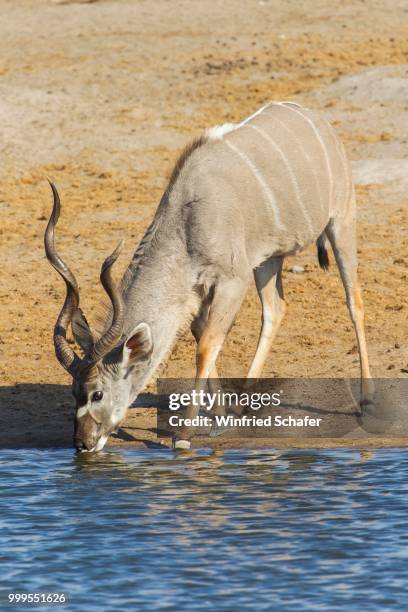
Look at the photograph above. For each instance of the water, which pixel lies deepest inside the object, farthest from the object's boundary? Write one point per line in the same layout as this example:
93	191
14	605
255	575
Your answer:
247	529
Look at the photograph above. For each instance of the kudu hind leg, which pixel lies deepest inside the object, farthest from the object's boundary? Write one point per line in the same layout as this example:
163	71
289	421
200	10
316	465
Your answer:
228	296
268	279
343	242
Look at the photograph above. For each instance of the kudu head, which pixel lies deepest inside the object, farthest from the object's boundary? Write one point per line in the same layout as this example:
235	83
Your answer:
102	381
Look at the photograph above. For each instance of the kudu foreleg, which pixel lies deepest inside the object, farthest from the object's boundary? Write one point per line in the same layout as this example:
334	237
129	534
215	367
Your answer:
197	328
228	296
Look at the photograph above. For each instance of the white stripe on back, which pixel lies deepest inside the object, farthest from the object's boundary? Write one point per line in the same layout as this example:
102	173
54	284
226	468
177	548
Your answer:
290	172
260	110
218	131
319	138
311	165
265	188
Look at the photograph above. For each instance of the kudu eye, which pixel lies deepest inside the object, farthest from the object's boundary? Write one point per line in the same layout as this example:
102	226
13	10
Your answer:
97	396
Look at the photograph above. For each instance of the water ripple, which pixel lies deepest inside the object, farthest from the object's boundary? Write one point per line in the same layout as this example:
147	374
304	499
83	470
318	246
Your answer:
249	529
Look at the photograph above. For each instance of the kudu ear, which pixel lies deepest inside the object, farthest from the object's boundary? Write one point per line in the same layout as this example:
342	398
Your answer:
138	345
81	331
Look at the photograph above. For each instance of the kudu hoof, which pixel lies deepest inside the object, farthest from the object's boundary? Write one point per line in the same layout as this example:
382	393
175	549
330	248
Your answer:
181	444
367	408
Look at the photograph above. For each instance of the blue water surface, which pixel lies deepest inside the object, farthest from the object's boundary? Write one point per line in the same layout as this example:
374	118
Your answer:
245	529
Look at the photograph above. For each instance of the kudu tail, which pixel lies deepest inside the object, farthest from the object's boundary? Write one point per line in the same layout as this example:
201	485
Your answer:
322	253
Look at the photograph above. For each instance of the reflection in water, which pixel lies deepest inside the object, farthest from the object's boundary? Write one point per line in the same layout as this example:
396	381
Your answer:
248	528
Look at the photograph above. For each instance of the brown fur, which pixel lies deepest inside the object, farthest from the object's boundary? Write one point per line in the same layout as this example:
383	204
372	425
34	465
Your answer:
86	430
185	154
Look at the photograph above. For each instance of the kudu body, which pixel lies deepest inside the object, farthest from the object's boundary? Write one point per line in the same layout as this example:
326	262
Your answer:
240	199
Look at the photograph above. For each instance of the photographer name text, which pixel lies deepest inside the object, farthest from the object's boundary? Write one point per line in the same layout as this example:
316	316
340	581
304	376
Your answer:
244	421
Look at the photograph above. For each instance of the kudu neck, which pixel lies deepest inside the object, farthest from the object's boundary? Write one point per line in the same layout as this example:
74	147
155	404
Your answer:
158	289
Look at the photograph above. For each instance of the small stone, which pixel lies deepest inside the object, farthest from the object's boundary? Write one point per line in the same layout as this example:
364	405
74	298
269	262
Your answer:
181	444
396	345
297	269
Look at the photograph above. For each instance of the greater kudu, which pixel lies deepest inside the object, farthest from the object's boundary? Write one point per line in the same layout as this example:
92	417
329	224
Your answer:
240	199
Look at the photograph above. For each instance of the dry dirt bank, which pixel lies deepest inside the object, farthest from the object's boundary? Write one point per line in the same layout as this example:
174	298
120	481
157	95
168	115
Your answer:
100	97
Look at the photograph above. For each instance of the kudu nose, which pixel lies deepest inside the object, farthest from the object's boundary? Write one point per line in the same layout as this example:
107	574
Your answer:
79	445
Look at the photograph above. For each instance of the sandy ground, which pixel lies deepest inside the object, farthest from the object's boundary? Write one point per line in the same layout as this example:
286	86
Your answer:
101	96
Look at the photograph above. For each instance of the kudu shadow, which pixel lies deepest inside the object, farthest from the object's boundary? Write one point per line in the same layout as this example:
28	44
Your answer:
42	416
36	415
137	432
